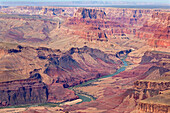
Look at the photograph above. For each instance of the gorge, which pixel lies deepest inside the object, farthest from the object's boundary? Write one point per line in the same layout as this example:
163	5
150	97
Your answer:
115	59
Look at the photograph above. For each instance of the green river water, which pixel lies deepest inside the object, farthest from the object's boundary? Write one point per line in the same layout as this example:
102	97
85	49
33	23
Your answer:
85	97
88	98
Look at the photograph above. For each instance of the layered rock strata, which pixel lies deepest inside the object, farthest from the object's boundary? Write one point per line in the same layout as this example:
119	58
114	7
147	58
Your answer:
57	70
28	91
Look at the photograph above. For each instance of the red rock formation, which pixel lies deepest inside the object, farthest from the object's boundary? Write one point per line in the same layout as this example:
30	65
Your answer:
156	104
158	26
61	70
98	24
93	29
26	91
159	85
56	93
56	69
153	108
123	94
88	31
116	97
84	63
156	56
129	16
90	13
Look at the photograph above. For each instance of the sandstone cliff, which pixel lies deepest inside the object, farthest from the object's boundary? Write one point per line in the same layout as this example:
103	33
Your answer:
158	26
157	104
101	24
90	13
159	81
90	63
57	70
26	91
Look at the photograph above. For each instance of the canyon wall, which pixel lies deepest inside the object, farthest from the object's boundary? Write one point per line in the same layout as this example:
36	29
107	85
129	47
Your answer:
158	25
158	81
90	13
152	85
101	24
153	108
28	91
156	104
57	70
70	30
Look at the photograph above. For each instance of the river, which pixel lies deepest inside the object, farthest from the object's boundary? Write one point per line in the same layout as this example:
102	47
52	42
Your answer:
86	97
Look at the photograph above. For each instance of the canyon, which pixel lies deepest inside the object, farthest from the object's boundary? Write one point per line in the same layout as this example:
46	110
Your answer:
44	51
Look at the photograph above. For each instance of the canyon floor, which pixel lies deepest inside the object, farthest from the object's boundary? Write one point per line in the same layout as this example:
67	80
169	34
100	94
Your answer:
52	58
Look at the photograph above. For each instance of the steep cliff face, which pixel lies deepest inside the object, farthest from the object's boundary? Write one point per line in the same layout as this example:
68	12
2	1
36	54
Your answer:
156	57
18	65
157	104
159	21
90	13
142	24
26	91
84	63
157	81
153	108
129	16
152	80
159	85
46	24
90	31
158	25
56	93
57	71
123	91
113	29
124	22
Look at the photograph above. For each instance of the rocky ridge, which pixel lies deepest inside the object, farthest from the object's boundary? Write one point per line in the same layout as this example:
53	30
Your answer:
57	70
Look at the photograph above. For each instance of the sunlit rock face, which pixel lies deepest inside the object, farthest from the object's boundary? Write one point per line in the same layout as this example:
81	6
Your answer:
158	25
81	64
46	24
46	50
90	13
54	71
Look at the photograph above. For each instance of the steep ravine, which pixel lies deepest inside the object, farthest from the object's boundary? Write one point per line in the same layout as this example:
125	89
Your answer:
86	97
100	64
82	95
